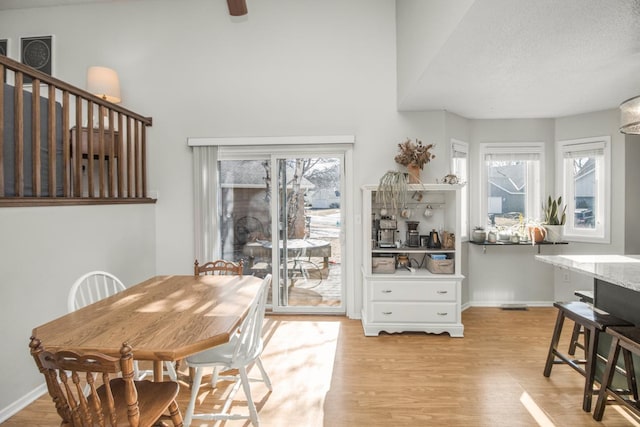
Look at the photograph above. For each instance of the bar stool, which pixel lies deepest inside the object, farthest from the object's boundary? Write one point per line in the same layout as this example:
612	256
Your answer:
586	297
626	338
593	321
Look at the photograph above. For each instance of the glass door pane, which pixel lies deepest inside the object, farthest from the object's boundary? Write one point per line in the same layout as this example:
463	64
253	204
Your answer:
309	230
304	196
245	213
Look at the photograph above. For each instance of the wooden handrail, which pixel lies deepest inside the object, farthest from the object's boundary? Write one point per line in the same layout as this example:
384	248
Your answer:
83	159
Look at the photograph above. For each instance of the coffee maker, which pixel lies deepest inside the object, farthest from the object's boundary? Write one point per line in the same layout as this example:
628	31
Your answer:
413	236
387	232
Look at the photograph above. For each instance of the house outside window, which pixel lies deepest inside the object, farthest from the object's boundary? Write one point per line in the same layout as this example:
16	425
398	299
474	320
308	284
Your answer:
460	168
511	183
584	174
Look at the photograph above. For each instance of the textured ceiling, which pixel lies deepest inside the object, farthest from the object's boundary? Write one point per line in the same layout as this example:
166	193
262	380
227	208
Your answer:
508	58
530	59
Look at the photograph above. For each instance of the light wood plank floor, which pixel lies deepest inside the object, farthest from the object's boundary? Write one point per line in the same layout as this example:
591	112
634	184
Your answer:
325	372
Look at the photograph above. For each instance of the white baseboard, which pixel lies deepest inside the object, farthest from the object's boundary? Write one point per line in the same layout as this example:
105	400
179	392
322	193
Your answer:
23	402
501	303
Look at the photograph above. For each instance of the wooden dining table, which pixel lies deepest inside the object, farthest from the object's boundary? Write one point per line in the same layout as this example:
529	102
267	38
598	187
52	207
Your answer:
165	318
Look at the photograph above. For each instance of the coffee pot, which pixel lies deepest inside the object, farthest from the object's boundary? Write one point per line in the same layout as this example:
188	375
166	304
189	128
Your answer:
434	240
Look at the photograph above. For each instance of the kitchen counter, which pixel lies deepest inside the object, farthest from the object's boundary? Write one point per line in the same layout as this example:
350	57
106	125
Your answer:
616	280
621	270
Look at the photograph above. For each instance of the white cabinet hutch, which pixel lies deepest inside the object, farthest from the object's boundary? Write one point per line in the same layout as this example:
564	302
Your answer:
400	300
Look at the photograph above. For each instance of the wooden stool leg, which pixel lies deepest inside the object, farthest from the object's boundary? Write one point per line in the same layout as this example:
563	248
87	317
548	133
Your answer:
607	377
555	338
591	336
631	373
575	335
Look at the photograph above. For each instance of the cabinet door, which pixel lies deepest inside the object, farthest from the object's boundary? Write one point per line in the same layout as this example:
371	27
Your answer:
414	291
404	312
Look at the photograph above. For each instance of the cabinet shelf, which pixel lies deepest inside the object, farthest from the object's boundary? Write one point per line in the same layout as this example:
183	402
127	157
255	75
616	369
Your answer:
411	250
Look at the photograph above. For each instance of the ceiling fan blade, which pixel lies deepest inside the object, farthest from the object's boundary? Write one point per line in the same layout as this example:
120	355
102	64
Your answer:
237	7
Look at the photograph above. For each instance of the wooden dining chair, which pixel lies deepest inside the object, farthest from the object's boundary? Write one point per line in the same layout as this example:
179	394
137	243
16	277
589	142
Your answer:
94	286
243	350
113	397
221	267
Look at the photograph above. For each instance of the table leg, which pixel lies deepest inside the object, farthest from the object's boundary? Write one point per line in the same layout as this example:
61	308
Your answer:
157	370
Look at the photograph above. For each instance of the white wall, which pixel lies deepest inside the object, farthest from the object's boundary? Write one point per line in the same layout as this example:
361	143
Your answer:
598	124
632	201
291	67
507	274
42	252
511	274
423	28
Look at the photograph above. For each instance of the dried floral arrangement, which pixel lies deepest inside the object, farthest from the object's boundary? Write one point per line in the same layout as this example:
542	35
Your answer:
414	153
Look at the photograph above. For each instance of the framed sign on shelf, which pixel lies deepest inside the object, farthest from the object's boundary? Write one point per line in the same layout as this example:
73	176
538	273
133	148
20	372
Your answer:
37	52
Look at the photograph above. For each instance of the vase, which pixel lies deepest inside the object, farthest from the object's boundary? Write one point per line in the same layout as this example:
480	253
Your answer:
554	233
414	174
479	235
536	233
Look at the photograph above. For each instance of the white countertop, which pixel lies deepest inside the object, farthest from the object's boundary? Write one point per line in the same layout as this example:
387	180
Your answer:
621	270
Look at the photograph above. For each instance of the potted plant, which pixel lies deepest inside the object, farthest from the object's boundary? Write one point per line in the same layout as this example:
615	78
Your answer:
555	216
414	155
392	190
535	231
479	234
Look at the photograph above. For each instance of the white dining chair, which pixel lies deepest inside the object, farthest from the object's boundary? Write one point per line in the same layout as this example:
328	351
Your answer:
94	286
239	353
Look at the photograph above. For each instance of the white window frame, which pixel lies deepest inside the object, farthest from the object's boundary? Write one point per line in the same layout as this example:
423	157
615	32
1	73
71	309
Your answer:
535	179
602	231
460	150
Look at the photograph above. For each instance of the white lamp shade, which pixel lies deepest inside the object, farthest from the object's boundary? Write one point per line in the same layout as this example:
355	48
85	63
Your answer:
103	82
630	116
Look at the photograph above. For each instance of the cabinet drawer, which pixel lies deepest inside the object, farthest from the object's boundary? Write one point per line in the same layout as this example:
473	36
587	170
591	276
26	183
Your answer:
415	312
418	291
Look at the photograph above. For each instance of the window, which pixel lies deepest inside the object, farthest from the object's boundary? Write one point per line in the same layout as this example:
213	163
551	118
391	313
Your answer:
460	168
511	183
584	176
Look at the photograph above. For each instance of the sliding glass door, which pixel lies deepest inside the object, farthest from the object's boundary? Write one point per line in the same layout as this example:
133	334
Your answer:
281	214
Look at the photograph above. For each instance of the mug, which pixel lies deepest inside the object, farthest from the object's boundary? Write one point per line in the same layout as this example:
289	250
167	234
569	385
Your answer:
406	213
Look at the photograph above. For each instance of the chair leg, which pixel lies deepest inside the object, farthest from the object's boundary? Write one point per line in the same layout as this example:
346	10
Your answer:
607	377
197	380
174	413
253	412
265	377
555	338
214	377
171	371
